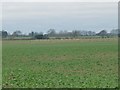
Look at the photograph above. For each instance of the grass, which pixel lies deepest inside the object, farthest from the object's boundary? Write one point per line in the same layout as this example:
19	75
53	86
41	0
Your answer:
80	63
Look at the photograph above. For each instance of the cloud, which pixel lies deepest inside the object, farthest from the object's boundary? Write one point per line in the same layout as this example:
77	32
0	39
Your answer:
59	0
0	16
59	15
41	10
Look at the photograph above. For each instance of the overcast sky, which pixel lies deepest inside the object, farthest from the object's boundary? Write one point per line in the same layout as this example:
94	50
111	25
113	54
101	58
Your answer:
41	16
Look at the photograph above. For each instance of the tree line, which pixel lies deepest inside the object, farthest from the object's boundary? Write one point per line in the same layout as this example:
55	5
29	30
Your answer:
51	33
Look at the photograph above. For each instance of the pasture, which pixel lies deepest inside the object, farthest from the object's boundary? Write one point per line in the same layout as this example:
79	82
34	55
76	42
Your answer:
78	63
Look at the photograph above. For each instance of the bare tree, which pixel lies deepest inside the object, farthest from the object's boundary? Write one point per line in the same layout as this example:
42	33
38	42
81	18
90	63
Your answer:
75	33
51	32
17	33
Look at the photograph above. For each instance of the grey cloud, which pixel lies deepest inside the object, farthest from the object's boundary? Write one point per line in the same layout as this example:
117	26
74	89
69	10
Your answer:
60	15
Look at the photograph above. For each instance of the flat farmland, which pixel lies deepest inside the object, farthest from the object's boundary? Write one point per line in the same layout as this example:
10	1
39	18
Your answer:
80	63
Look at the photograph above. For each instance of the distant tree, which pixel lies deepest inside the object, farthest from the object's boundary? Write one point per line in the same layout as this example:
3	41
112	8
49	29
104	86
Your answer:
32	34
102	33
60	34
83	33
69	34
75	33
51	32
45	36
63	33
17	33
114	32
0	34
118	32
4	34
91	33
41	33
39	36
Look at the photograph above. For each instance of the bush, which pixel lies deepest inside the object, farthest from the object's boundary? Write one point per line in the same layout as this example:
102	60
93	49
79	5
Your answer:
41	36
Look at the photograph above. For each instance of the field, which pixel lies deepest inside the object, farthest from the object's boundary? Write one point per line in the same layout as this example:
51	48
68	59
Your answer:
79	63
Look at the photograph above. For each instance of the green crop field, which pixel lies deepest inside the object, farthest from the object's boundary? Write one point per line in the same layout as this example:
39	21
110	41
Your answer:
79	63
